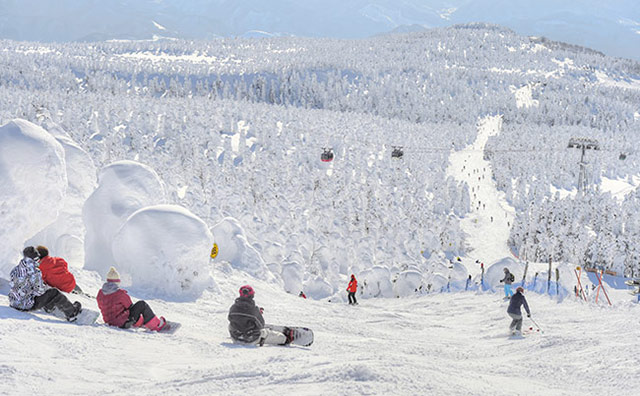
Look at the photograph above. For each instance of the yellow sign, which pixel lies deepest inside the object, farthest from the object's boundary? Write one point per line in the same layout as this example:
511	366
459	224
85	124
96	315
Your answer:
214	251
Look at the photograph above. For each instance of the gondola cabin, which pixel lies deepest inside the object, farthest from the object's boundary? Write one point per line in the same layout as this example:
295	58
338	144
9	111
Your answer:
397	152
327	155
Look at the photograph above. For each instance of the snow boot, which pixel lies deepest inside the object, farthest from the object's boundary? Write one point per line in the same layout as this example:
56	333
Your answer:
77	309
156	324
289	333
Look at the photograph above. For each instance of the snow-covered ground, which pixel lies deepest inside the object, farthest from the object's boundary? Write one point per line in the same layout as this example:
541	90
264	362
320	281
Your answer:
441	344
487	227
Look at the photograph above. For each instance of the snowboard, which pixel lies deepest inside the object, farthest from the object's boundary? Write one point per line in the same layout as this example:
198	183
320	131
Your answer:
170	327
302	336
84	318
632	282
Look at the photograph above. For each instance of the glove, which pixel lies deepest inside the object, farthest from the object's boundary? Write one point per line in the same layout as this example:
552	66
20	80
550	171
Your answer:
501	281
528	315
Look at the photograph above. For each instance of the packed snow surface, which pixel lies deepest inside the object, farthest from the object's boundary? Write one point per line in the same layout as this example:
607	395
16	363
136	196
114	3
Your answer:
441	344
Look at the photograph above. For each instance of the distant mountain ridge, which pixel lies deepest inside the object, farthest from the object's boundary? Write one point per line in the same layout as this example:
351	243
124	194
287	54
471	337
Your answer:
613	28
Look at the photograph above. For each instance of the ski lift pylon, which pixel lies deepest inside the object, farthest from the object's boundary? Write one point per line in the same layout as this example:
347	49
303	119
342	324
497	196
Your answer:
327	155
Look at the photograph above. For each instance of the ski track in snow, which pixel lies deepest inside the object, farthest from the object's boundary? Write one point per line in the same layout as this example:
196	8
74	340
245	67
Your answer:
441	344
486	238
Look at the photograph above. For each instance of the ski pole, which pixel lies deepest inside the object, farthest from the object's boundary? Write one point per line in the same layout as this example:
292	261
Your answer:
534	322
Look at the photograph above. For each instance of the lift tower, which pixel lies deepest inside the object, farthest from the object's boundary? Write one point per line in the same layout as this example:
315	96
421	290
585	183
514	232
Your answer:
583	144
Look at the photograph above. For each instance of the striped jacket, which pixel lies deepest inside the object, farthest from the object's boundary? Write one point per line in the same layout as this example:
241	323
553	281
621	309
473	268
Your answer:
26	284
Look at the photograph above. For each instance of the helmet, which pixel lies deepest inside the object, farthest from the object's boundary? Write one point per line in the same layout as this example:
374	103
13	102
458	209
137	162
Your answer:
247	291
519	289
506	269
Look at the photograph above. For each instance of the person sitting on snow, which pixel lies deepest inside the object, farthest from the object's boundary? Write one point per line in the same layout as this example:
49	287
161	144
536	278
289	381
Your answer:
118	310
246	323
515	312
508	280
55	272
29	293
352	289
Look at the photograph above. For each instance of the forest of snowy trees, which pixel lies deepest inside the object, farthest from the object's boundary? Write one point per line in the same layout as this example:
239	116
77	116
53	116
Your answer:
235	128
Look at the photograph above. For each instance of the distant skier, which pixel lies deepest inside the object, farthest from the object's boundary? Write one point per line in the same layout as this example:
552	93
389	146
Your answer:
29	293
246	323
119	311
352	289
508	280
515	312
302	294
55	272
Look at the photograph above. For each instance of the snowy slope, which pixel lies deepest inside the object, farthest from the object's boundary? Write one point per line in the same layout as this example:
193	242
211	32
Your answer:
443	344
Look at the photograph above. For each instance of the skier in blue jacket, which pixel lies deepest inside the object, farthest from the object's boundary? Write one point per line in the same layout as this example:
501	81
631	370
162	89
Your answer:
517	300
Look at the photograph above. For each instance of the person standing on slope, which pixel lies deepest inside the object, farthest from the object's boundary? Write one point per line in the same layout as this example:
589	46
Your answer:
508	280
29	293
352	288
55	272
246	324
118	310
515	312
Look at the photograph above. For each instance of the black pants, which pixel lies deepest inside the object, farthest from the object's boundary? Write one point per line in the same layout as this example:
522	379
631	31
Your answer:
352	298
140	308
51	299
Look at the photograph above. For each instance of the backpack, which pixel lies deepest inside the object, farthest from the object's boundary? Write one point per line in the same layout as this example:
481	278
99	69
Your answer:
511	278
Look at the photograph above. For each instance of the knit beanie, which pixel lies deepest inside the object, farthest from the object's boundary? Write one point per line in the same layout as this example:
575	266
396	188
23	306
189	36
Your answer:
113	275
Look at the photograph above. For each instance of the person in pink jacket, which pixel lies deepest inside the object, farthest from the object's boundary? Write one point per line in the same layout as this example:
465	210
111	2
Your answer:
118	310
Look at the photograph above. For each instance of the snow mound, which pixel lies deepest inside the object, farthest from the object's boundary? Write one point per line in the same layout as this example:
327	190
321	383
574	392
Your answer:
408	283
34	186
64	237
318	288
123	188
234	248
376	282
292	273
164	249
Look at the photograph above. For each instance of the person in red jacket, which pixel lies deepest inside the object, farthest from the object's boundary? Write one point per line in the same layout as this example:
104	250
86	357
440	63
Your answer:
118	310
352	289
55	272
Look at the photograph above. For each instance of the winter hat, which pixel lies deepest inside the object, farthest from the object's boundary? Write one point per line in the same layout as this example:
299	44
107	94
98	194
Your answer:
30	252
42	251
113	275
506	269
520	289
247	291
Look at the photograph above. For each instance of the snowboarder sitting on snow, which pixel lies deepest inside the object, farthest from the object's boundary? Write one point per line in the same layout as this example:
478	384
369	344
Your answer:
352	288
515	312
118	310
55	272
29	293
246	323
508	280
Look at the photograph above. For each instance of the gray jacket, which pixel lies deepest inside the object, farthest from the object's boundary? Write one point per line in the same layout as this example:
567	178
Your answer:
245	320
507	278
